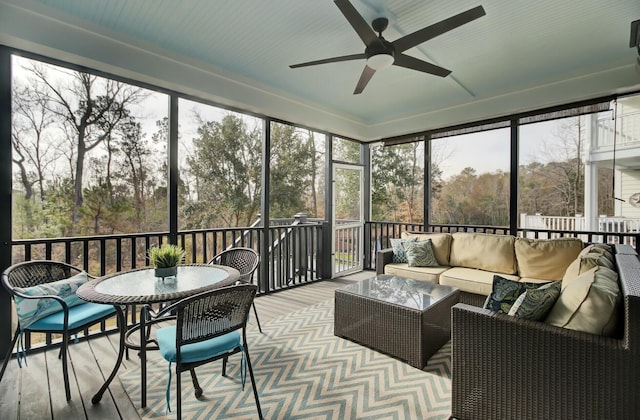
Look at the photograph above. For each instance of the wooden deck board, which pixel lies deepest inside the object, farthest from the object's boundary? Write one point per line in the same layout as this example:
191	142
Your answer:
34	399
59	405
38	390
10	391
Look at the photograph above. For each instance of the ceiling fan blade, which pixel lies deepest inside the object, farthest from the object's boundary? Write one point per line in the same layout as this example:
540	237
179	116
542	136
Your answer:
425	34
366	75
412	63
358	23
330	60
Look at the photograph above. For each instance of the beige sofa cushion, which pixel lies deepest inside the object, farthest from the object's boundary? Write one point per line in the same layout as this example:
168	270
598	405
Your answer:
484	251
429	274
546	259
440	242
471	280
589	303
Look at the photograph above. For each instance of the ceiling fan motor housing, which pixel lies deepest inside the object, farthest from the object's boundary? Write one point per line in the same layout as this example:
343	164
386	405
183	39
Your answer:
380	24
382	46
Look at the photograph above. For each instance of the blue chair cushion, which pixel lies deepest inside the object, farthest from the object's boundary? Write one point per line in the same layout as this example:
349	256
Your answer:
197	351
79	315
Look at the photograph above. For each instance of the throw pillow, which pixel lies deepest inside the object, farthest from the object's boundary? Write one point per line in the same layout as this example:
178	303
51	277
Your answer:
420	254
584	263
506	292
31	310
602	248
440	242
399	255
535	304
589	303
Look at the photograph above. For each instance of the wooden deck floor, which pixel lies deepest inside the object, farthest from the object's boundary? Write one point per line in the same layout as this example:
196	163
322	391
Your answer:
37	392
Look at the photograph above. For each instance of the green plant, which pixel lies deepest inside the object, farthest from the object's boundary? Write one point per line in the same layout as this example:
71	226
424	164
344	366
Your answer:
166	255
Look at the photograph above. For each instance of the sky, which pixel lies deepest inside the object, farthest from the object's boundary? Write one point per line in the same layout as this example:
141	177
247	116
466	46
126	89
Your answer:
488	151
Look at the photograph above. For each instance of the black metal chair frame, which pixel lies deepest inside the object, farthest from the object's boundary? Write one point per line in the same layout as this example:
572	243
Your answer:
246	261
34	273
196	318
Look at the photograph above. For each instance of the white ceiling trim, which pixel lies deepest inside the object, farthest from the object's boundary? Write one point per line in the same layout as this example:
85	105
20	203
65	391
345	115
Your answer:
556	93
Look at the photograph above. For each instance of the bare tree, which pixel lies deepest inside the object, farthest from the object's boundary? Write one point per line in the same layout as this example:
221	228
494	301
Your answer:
89	109
564	167
32	154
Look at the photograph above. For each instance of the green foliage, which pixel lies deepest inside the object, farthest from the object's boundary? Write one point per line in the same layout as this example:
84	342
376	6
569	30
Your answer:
346	150
291	180
57	210
226	167
469	198
397	189
166	255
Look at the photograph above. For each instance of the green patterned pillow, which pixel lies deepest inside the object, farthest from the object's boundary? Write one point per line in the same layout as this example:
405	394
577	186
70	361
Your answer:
399	256
31	310
535	304
506	292
420	254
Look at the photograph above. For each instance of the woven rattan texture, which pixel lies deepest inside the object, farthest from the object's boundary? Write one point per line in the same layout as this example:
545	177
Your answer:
245	260
472	299
406	333
214	313
510	368
34	273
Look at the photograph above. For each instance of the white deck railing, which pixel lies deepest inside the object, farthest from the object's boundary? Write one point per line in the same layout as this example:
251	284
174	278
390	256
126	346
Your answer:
627	129
578	223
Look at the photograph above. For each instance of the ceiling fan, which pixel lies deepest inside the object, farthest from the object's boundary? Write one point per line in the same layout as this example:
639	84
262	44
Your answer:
381	53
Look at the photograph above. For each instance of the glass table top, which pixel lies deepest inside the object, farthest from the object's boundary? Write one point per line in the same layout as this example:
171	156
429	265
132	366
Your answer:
142	286
409	293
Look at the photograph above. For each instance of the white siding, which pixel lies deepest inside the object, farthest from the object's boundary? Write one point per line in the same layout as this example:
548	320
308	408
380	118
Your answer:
630	184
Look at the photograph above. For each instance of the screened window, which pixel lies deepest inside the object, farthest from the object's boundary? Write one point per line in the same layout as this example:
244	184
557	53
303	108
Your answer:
345	150
297	182
580	172
89	154
220	161
397	183
470	178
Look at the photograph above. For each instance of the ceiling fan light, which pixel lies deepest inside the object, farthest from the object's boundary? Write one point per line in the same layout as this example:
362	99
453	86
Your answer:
380	61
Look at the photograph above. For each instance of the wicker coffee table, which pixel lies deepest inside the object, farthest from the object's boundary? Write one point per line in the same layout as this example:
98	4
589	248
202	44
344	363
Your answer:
407	319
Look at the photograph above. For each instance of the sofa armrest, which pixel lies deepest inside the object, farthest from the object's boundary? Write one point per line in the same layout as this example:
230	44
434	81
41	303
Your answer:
383	257
508	367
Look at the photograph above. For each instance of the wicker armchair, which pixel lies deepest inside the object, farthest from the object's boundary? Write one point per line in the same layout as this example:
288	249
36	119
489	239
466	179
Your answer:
207	329
66	321
510	368
246	261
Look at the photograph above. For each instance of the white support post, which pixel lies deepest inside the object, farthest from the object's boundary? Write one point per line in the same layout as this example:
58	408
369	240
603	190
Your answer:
591	175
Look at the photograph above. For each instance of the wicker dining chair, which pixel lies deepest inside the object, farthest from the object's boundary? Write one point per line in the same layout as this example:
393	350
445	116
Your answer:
246	261
207	328
58	309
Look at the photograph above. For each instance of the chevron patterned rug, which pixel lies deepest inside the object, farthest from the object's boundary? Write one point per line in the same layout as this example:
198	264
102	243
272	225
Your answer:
303	371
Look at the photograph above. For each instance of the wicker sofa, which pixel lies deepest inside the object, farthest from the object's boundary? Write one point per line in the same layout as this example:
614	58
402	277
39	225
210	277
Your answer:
505	367
510	368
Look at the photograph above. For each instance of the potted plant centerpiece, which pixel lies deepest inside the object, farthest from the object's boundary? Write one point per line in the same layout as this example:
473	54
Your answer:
165	259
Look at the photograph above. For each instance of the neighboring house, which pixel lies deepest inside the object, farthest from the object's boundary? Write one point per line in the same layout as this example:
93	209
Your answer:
610	146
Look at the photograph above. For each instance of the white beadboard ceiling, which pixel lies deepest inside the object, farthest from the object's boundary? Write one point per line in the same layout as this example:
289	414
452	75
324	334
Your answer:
522	55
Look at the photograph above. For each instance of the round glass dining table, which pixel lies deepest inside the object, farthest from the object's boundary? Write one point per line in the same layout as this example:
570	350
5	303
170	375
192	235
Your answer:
141	286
